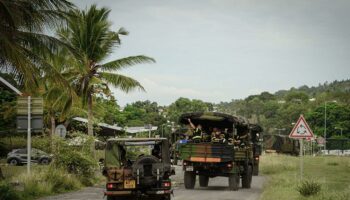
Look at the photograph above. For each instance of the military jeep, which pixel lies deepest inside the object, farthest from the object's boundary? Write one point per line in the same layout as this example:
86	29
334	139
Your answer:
208	159
138	168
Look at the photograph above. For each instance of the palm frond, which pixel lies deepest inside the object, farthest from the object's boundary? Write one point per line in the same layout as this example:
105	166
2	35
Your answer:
126	62
122	82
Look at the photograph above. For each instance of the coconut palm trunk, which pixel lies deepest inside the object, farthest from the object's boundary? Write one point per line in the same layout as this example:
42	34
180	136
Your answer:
90	116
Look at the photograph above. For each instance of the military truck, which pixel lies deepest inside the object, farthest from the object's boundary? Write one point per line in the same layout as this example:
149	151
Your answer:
274	143
177	138
256	133
138	168
209	159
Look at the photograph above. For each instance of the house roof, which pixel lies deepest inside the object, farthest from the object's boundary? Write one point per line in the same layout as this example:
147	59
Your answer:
131	130
9	86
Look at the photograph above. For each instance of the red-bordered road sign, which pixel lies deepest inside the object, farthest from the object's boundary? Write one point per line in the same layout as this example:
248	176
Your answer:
301	129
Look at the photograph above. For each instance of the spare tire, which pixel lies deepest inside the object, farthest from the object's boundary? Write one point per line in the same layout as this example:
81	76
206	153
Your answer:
145	165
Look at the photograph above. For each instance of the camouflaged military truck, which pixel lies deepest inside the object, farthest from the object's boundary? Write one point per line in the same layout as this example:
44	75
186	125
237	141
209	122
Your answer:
209	159
256	133
281	144
138	168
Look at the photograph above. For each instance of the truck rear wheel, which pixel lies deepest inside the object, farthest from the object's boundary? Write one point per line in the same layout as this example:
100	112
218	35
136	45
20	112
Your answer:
203	181
247	177
233	181
190	180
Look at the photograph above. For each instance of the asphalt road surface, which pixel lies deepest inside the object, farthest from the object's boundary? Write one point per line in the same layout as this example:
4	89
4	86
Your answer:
217	190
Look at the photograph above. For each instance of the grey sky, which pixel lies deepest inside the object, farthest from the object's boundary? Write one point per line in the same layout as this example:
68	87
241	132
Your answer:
218	50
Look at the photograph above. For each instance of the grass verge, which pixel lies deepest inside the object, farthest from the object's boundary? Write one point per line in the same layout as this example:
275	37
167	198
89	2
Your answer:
332	174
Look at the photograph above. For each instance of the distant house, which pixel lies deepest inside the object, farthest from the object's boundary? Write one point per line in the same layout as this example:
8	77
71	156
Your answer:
113	130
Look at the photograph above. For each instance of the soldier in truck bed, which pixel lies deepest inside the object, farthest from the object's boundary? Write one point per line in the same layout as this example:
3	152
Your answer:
242	139
196	130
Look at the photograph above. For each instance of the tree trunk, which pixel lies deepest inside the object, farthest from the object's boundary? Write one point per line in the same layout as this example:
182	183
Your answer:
53	125
53	128
90	116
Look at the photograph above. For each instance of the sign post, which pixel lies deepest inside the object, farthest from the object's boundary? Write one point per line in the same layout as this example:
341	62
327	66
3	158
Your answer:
301	131
29	119
29	137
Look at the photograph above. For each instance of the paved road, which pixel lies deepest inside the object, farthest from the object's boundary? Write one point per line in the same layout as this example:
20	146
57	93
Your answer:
218	190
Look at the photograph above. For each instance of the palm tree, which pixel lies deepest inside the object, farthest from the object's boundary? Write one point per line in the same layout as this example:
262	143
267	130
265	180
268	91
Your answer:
22	38
89	33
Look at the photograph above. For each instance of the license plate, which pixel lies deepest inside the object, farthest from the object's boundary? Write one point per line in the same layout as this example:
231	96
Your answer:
128	184
189	168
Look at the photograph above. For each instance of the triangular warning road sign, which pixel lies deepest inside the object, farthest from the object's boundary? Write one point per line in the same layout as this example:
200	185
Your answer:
301	129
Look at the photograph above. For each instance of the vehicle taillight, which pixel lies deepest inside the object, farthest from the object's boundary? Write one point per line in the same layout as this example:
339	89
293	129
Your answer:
111	185
167	184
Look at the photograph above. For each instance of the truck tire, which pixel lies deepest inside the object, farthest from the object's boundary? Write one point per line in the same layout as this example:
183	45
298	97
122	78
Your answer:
203	181
190	180
247	177
111	198
256	170
233	181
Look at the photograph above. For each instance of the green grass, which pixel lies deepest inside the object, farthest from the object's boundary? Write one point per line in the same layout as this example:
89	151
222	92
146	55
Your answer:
11	171
332	173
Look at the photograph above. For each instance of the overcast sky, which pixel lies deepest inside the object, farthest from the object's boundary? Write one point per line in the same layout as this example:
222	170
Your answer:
218	50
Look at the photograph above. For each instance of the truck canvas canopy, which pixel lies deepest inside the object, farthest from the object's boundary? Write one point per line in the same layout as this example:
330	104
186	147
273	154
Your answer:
214	119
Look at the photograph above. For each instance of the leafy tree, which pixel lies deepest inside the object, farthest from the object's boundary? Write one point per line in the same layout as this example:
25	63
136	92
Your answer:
337	116
22	42
298	97
89	33
183	105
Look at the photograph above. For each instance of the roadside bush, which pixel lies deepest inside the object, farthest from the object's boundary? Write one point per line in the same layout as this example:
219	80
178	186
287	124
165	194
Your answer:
46	181
7	192
333	163
34	184
75	157
309	188
61	181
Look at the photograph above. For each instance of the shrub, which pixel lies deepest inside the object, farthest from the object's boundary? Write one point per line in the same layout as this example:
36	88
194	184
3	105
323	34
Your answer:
309	188
333	163
7	192
35	184
76	158
61	181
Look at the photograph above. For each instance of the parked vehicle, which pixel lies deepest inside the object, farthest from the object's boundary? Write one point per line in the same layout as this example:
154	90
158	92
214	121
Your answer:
138	168
19	157
209	159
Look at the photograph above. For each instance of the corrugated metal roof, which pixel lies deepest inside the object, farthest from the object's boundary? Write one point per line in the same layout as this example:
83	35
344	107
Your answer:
132	130
8	85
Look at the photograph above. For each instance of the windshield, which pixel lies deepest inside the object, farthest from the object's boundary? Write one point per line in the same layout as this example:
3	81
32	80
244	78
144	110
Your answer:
125	153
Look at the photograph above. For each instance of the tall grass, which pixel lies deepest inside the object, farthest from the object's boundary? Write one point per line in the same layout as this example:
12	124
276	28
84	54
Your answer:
332	180
46	181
